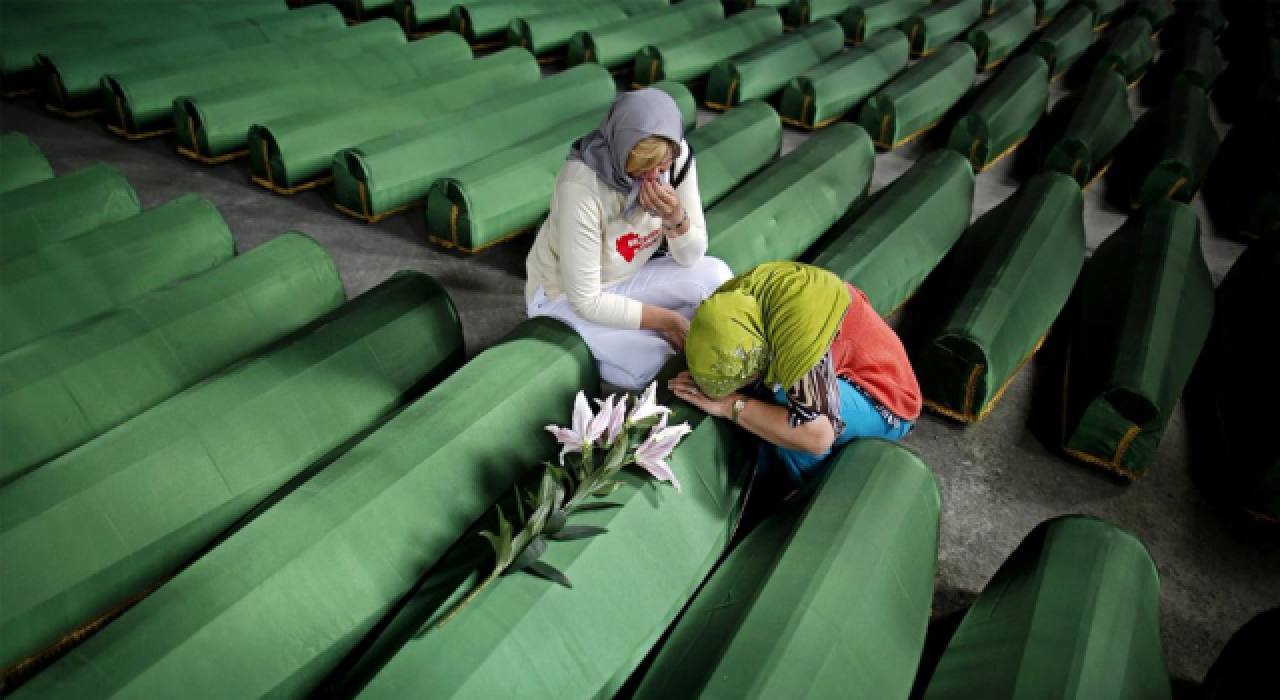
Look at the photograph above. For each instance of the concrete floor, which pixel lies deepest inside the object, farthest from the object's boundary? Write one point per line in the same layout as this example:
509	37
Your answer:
998	479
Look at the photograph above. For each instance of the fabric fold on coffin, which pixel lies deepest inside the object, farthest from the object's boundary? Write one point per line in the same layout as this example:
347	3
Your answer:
828	598
283	600
825	93
22	162
363	9
1128	50
1103	11
866	19
890	247
1194	61
549	33
1007	108
614	45
1048	10
68	282
1005	282
732	148
63	207
1156	12
802	12
1145	306
932	27
1088	128
67	388
295	152
999	36
390	173
422	16
484	22
761	72
692	55
784	209
1074	612
916	100
135	505
215	123
1169	151
1063	42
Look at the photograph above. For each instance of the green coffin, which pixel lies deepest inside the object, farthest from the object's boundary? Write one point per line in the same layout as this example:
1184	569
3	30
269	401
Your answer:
213	125
1102	10
1246	467
889	248
763	71
72	386
828	598
734	147
780	212
390	173
660	546
139	103
1074	612
423	16
548	33
484	22
272	609
1005	282
823	94
918	99
63	207
73	74
1128	50
1242	188
685	100
1170	150
690	56
1065	40
62	284
22	162
1156	12
614	45
1146	302
802	12
363	9
1194	61
1248	660
132	507
934	26
871	17
1089	127
997	37
1203	13
293	153
1007	107
1047	10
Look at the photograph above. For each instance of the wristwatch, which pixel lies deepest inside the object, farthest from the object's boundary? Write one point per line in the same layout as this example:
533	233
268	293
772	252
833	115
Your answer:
738	405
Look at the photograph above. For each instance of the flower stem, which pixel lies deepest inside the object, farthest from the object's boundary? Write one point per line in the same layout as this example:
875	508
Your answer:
493	576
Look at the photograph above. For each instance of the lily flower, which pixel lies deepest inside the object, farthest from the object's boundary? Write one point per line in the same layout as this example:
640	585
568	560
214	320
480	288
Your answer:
575	438
617	414
653	452
647	406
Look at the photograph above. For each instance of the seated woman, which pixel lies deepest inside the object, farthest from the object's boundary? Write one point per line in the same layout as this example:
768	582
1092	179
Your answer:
829	368
593	266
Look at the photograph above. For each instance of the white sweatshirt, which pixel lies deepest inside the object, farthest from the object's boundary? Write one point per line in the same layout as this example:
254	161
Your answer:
586	246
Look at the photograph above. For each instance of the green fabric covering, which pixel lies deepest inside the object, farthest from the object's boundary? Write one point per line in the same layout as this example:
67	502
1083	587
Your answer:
614	45
280	602
1047	10
780	212
825	93
509	192
1006	281
216	122
1103	10
585	641
1194	61
932	27
869	18
1089	126
135	505
1065	40
423	15
828	598
72	386
72	74
1203	13
1247	662
296	150
741	5
62	284
550	32
363	9
1146	302
732	148
1074	612
802	12
892	245
690	56
685	100
1156	12
763	71
1242	380
64	207
997	37
918	98
1007	107
1242	188
140	101
1170	150
1128	49
483	21
389	173
22	162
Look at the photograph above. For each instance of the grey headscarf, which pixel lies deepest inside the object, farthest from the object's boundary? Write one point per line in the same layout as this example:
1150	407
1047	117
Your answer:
633	117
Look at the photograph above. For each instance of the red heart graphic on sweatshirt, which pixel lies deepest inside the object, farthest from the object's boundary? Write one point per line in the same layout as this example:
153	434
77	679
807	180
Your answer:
628	245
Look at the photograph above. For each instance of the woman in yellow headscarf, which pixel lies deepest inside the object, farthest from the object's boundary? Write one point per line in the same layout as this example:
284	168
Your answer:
800	358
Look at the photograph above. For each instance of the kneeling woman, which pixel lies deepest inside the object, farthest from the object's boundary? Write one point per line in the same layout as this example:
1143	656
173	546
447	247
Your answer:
818	365
593	266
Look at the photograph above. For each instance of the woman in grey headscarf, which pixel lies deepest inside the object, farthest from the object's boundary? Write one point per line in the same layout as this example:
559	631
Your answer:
627	187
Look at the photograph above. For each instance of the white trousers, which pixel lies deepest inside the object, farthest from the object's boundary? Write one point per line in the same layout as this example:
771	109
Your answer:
629	359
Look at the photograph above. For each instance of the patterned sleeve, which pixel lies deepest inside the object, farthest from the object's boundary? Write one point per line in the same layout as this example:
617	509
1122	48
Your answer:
816	394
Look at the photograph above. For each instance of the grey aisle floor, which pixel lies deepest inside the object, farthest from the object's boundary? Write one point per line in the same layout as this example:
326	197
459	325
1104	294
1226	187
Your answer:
998	478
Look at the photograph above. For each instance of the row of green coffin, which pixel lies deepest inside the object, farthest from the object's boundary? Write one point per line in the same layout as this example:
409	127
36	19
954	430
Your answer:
22	162
484	21
59	208
872	16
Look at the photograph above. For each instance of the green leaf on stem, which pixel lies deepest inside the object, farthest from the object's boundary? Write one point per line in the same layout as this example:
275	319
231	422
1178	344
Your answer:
528	555
550	573
596	505
606	489
502	542
578	532
555	521
617	456
645	424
